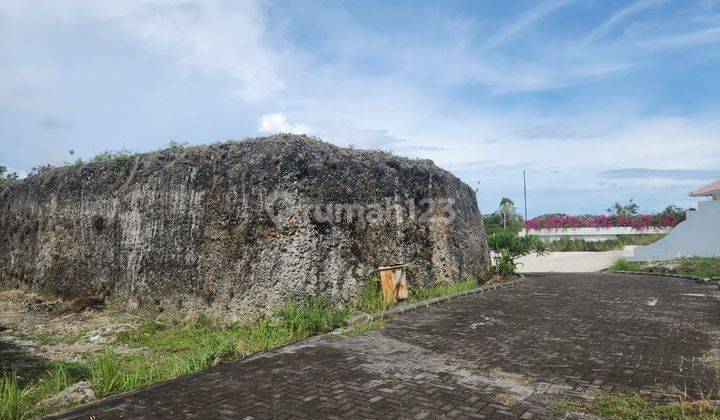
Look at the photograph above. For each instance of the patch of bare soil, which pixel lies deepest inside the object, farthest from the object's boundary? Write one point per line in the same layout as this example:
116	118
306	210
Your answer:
53	329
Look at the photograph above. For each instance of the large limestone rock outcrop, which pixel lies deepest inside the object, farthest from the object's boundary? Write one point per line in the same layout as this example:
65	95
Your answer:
237	228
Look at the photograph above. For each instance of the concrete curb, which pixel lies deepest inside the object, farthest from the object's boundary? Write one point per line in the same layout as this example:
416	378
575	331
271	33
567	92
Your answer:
702	280
401	309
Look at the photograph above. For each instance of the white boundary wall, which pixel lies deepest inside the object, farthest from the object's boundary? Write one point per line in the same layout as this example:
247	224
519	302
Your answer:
591	234
698	236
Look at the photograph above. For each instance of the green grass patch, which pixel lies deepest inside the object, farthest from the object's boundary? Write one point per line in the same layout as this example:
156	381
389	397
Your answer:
13	398
183	347
577	245
205	342
370	298
174	348
171	348
624	265
364	328
560	407
20	401
443	289
694	267
635	407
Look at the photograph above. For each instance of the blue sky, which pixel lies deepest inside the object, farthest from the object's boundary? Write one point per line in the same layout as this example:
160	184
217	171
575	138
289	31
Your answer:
598	100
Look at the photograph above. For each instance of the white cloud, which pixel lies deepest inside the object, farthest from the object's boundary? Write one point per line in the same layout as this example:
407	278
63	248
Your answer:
277	123
213	36
621	15
657	143
216	37
680	40
347	134
440	92
526	21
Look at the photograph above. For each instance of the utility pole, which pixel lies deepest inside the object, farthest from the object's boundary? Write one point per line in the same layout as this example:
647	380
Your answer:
525	199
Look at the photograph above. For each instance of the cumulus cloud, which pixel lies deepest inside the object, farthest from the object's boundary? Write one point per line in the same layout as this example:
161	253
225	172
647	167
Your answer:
212	36
278	123
523	89
216	37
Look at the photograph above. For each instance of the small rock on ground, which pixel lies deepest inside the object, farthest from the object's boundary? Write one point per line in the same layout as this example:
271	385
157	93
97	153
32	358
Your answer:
74	394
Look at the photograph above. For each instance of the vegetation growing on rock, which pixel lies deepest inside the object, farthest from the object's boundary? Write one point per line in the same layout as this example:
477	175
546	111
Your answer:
235	229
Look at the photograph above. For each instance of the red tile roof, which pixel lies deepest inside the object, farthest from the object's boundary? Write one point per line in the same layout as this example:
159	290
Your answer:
709	189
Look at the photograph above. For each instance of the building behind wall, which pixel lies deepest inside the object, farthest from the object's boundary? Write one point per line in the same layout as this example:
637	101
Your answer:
698	236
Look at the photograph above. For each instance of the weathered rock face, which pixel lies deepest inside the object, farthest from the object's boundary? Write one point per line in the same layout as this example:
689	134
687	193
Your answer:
238	228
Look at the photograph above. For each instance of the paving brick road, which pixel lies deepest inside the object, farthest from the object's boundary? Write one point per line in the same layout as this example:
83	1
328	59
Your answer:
506	353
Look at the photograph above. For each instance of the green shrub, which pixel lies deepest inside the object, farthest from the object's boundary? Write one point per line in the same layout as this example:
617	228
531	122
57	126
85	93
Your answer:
506	217
7	177
41	169
510	247
505	264
122	161
571	245
178	146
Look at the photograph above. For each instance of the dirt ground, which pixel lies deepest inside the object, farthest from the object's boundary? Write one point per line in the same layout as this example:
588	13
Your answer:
33	331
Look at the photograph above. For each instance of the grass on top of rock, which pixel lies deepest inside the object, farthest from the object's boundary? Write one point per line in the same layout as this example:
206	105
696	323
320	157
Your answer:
694	267
635	407
168	348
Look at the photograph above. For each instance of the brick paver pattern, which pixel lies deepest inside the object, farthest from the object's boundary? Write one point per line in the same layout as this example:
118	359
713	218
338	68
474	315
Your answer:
507	353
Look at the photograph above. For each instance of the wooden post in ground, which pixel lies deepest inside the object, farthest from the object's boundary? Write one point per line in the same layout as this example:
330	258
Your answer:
394	283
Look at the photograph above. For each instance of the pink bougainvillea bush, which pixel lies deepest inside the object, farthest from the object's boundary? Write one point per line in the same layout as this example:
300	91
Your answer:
641	221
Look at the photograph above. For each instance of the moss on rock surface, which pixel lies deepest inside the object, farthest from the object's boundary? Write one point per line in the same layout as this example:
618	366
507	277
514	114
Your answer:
221	229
